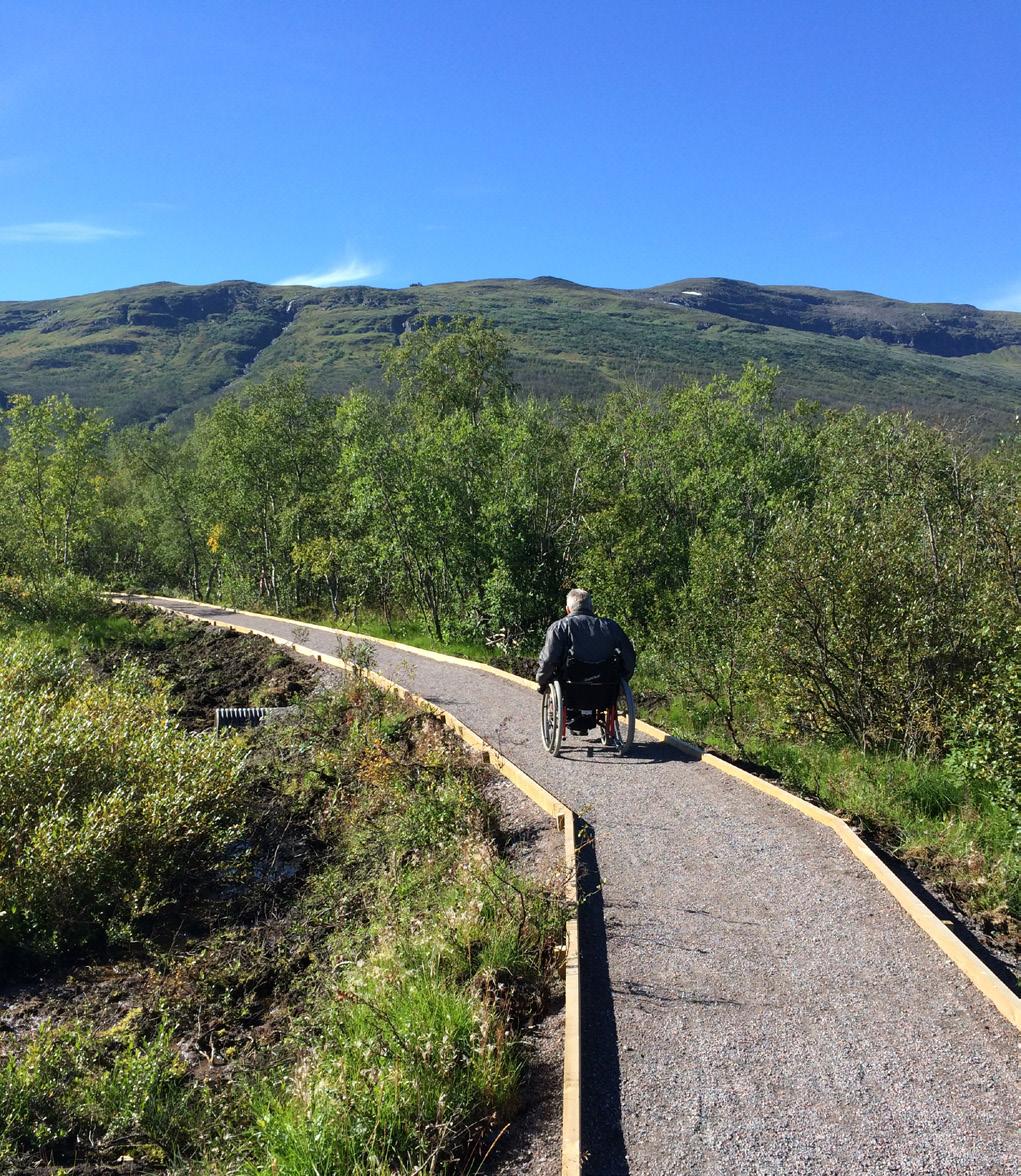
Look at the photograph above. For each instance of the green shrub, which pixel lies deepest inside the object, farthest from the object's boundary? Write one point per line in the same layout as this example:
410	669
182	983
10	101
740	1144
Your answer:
987	743
107	808
66	599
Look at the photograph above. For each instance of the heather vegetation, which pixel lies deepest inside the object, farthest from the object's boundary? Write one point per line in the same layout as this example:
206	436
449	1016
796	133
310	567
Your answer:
836	596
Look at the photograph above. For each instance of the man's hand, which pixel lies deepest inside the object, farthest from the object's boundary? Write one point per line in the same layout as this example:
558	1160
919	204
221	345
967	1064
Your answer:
544	689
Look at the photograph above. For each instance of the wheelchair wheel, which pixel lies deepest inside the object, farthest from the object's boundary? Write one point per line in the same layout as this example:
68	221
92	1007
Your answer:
617	725
553	718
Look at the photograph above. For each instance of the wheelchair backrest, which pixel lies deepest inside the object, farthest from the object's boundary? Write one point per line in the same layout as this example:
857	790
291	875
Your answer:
590	685
603	673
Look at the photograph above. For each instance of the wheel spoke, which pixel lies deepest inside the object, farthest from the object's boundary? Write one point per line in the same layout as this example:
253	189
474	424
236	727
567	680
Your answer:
551	719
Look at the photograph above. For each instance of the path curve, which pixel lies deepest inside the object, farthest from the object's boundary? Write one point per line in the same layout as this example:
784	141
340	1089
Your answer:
753	1001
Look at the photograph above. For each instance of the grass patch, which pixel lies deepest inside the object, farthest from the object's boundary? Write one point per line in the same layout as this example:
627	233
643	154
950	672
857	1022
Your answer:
117	1090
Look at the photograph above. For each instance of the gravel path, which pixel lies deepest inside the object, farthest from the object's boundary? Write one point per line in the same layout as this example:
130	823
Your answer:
753	1000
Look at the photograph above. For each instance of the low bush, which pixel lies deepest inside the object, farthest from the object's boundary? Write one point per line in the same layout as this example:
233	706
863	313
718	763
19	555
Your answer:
107	808
66	599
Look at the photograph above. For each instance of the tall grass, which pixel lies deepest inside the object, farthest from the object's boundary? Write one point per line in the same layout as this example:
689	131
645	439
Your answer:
409	1052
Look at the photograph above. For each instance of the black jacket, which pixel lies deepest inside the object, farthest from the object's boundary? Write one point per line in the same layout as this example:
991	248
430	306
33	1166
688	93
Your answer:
586	637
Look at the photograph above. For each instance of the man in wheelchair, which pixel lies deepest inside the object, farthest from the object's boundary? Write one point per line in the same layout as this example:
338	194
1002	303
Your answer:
585	650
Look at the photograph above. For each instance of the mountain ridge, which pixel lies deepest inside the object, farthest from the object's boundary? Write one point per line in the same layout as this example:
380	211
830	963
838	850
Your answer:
165	350
948	329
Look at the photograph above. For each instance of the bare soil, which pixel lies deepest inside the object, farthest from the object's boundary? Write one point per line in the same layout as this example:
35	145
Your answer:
209	668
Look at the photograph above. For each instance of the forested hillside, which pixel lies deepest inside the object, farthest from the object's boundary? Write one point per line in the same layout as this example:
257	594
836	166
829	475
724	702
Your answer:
161	352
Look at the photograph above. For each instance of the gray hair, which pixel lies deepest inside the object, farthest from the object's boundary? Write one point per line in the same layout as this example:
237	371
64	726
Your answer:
579	600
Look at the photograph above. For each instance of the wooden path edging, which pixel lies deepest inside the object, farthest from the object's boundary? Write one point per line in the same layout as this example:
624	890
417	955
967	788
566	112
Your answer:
1006	1002
565	818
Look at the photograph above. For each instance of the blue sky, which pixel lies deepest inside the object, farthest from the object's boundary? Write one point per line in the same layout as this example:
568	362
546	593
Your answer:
865	145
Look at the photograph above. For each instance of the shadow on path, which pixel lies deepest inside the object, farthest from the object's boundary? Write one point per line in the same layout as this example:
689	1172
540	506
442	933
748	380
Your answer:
602	1136
644	751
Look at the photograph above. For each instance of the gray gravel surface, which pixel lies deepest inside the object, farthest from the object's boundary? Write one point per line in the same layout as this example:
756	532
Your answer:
753	1001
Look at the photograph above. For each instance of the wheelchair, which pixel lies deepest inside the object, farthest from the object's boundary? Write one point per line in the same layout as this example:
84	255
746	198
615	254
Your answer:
586	695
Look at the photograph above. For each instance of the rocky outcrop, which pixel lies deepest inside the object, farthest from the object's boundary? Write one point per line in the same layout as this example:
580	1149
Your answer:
944	329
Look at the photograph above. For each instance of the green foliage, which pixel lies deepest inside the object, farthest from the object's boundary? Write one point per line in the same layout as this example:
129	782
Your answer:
712	653
50	474
62	600
868	593
262	473
118	1089
406	950
360	654
633	530
403	1067
442	368
158	515
108	808
422	489
987	738
787	574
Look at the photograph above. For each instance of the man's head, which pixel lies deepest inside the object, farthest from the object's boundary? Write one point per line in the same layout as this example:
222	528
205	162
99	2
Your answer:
579	600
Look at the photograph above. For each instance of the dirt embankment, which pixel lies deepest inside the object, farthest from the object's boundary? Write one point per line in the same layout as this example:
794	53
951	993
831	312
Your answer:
209	668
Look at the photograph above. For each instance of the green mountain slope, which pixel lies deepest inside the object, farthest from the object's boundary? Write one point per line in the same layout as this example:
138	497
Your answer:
163	351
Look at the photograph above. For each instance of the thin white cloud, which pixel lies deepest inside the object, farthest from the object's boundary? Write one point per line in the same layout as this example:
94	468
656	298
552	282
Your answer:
59	233
351	271
1008	298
